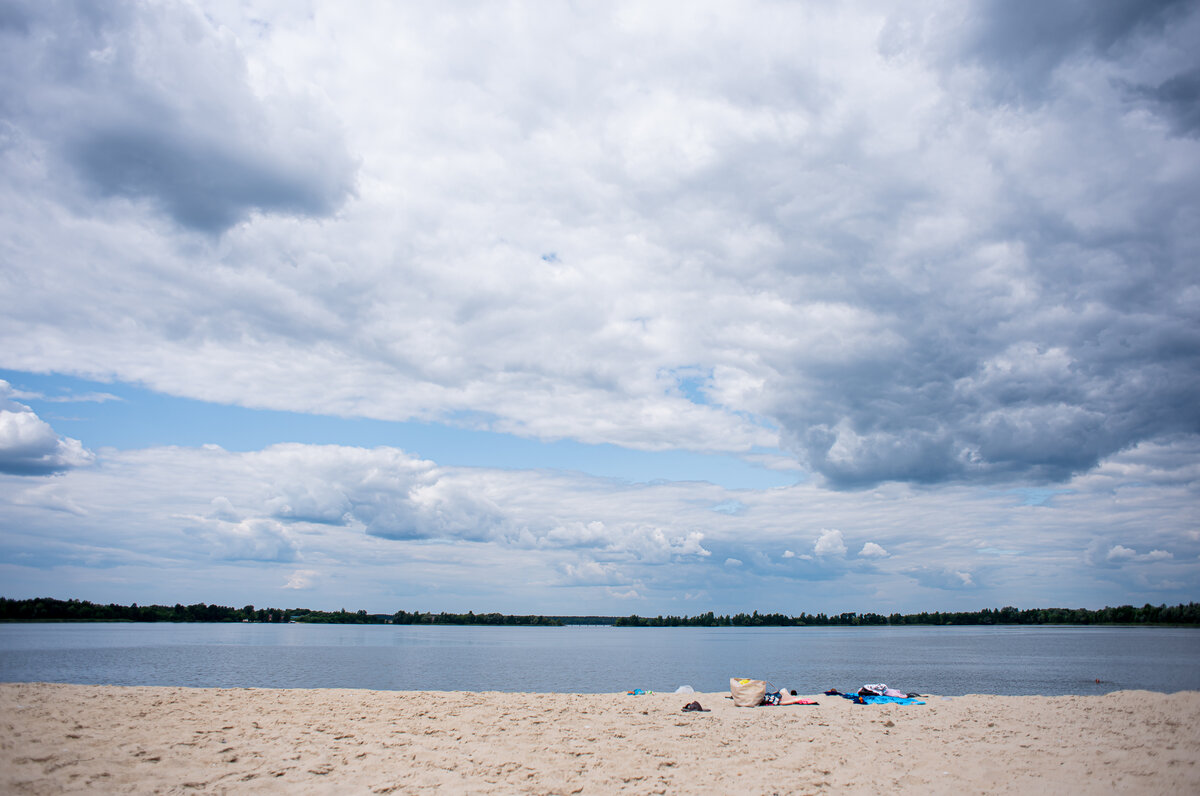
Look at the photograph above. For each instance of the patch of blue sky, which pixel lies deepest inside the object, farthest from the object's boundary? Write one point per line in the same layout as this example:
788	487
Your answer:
128	417
731	507
1037	496
691	382
692	388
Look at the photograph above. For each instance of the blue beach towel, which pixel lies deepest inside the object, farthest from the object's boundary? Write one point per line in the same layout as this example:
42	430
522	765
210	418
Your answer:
873	699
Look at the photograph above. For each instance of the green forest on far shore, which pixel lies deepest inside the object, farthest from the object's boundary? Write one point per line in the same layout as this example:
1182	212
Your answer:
47	609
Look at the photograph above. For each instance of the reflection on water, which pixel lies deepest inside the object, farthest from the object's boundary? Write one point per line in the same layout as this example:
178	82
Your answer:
939	660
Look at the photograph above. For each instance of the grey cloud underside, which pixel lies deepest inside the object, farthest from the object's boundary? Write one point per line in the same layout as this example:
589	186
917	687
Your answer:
1107	352
1061	399
1023	41
207	186
52	462
152	103
1178	99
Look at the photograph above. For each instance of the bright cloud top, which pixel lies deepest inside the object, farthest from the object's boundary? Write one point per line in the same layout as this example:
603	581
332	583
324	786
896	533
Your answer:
29	446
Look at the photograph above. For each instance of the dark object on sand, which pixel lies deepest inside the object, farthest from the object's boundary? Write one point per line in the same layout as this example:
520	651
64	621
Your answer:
695	707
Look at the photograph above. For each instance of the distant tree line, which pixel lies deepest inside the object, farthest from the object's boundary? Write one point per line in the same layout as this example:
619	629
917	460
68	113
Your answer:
1182	614
750	620
46	609
472	618
342	617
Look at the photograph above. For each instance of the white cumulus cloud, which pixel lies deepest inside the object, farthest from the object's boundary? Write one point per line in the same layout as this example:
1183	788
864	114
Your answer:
301	579
29	446
258	539
830	543
872	550
1118	553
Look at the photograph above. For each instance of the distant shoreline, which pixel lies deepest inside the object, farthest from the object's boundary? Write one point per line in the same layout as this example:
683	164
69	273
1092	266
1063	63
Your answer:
47	609
592	624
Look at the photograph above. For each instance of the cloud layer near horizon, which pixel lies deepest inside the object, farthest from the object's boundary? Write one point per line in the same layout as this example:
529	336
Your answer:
381	529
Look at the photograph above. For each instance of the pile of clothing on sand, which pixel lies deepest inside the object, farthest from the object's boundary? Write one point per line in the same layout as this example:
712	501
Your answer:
750	693
878	694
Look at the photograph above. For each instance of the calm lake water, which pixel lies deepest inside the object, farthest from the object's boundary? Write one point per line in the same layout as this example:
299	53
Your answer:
939	660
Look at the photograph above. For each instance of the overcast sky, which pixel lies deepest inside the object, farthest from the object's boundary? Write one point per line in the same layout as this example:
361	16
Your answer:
601	307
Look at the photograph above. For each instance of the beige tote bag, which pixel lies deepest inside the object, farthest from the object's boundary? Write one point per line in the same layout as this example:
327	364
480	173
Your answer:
747	693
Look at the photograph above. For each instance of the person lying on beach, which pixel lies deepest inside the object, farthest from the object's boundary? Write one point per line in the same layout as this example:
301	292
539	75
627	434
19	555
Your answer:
784	697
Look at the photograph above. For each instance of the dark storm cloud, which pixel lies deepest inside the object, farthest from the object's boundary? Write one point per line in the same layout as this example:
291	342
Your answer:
1087	341
1177	99
1045	408
1023	41
206	185
153	103
1021	44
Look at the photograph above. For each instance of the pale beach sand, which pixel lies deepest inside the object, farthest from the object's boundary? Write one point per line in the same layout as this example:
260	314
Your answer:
102	739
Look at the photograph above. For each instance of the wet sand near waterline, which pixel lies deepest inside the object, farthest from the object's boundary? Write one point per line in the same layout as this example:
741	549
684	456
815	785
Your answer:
106	739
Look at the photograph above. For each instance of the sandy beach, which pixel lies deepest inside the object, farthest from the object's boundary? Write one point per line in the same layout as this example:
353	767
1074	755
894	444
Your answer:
71	738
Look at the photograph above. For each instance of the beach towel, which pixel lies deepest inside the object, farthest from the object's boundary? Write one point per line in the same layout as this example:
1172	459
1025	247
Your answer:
877	699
